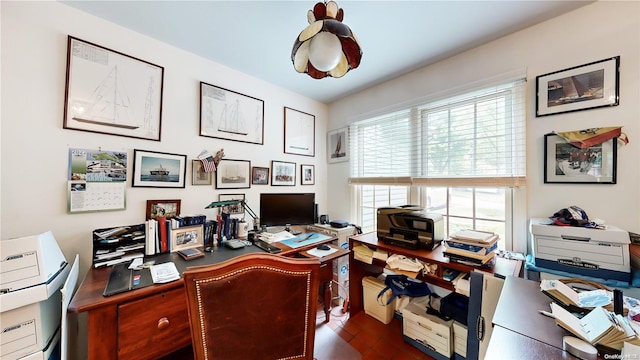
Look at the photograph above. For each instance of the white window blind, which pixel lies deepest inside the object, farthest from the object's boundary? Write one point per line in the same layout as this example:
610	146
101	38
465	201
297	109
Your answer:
475	139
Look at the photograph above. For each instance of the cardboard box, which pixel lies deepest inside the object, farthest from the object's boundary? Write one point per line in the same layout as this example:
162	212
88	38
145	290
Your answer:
32	268
429	333
30	329
589	252
371	287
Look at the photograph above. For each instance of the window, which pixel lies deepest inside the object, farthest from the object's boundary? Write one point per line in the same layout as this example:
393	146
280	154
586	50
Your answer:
460	157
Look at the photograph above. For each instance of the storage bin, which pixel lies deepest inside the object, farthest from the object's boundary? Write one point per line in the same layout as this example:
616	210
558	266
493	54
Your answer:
371	287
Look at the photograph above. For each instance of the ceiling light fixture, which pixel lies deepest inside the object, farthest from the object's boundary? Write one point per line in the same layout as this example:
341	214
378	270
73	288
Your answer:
326	47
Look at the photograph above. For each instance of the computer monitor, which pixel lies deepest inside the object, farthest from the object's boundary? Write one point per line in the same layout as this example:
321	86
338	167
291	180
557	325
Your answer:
283	209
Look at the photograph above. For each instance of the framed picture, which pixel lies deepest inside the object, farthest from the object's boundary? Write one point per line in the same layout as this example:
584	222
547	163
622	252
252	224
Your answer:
283	173
299	133
578	88
162	208
260	175
307	174
157	169
186	237
566	163
198	175
232	209
230	115
233	174
112	93
338	145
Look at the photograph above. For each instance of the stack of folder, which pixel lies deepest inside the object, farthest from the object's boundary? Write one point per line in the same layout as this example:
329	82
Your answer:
472	247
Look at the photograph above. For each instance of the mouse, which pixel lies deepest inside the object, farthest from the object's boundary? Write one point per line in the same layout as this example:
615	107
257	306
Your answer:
324	247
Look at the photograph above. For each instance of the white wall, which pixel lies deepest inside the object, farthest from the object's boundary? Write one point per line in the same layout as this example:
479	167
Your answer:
35	146
591	33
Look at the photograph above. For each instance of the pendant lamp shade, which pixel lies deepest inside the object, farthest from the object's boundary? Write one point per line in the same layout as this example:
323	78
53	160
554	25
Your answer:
327	47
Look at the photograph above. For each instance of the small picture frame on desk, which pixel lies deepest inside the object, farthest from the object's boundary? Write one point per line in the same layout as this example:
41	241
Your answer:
186	238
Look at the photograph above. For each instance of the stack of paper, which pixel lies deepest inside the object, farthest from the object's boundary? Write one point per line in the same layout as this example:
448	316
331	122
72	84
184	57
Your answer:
363	253
472	247
164	273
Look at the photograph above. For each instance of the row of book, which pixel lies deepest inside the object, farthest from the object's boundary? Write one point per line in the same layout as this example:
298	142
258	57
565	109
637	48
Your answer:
158	233
472	247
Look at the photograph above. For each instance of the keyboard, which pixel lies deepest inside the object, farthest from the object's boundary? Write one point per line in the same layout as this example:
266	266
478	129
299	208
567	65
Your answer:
270	248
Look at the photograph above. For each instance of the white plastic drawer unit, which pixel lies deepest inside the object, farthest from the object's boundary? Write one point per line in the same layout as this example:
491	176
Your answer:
428	330
590	252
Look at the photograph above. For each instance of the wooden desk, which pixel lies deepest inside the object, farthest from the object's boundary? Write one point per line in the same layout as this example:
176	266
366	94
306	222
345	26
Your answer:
359	269
153	321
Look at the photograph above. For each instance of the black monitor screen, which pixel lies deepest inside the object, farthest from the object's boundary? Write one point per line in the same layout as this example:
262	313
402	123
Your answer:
283	209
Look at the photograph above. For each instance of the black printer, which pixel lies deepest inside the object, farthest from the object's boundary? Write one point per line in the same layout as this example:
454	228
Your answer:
410	227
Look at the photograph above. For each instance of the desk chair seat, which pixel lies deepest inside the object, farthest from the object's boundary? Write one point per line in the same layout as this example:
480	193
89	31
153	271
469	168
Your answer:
255	306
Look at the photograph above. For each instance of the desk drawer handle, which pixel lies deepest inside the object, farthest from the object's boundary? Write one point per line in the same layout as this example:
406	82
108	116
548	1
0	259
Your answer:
163	323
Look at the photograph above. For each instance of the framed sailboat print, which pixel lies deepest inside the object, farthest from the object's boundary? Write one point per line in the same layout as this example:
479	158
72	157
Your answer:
338	145
230	115
299	133
112	93
583	87
233	174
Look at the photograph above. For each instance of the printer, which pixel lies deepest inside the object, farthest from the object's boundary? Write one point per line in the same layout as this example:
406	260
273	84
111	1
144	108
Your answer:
410	227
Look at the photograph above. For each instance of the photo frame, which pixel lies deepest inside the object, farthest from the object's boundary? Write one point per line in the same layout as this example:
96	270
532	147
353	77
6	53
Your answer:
109	92
236	209
338	145
230	115
299	133
158	169
583	87
307	174
162	208
283	173
566	163
233	174
260	175
198	175
186	237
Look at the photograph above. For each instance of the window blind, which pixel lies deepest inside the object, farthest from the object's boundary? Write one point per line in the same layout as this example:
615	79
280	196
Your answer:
474	139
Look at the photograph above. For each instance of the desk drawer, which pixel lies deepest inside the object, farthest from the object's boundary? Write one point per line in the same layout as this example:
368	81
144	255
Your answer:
154	326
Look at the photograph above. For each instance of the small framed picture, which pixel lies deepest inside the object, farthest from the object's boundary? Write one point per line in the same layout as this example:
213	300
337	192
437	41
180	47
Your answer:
198	175
307	174
283	173
157	169
233	174
235	209
162	208
566	163
186	237
299	132
338	145
260	175
578	88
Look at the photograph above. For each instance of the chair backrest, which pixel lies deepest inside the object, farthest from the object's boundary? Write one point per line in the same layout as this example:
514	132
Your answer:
253	306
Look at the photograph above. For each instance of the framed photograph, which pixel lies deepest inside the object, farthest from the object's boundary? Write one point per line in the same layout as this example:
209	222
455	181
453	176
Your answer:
230	115
283	173
566	163
198	175
299	133
232	209
233	174
186	237
338	145
578	88
260	175
307	174
162	208
112	93
157	169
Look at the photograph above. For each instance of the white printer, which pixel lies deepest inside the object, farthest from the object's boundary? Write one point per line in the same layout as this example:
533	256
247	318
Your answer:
579	250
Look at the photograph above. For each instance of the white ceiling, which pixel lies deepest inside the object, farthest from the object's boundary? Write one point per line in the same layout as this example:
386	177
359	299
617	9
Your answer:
256	37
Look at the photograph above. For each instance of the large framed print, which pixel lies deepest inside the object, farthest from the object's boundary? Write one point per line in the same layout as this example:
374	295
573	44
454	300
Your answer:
158	169
583	87
566	163
299	133
338	145
230	115
283	173
112	93
233	174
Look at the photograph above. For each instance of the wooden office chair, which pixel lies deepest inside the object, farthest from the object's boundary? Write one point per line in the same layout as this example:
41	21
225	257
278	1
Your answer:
255	306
